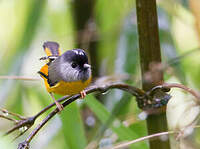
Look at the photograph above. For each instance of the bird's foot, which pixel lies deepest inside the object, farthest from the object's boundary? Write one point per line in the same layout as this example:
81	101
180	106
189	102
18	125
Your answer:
59	106
83	94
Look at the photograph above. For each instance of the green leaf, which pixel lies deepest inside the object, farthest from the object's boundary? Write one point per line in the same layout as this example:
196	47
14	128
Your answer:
73	127
124	133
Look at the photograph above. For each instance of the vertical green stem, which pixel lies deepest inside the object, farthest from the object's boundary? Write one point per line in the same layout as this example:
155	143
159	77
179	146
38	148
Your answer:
149	46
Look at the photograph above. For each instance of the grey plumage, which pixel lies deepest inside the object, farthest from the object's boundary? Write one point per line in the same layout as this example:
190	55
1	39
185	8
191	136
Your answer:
61	68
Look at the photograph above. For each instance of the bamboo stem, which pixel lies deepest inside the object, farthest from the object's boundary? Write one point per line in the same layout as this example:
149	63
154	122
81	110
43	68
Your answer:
150	60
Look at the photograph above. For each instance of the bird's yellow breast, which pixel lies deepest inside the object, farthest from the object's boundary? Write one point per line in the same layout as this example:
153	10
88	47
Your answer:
67	88
62	87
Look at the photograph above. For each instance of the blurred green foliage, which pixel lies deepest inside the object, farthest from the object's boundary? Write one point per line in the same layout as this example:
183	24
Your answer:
25	25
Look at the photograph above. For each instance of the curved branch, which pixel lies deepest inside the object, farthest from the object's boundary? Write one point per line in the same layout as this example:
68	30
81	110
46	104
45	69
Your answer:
139	93
187	89
133	90
126	144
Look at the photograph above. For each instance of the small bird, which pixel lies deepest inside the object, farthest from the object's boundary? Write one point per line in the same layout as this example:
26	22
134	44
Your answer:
65	74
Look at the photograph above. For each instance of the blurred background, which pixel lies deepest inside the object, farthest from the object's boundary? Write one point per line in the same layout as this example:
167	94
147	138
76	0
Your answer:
107	30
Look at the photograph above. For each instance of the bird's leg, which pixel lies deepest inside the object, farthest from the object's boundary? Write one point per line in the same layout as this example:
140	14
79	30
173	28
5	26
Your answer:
83	94
59	106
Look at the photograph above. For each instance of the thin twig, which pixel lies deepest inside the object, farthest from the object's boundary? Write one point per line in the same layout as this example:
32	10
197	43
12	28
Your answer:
181	86
21	133
28	122
131	89
189	52
51	105
19	78
13	114
8	118
123	145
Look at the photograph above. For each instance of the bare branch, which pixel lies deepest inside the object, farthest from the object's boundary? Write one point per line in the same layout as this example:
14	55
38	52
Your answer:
187	89
19	78
139	93
8	118
28	122
11	113
123	145
133	90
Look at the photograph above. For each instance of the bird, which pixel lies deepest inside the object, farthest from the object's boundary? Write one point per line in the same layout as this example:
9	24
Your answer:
65	74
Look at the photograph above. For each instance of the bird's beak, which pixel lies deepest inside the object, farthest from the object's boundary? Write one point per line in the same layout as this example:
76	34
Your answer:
86	66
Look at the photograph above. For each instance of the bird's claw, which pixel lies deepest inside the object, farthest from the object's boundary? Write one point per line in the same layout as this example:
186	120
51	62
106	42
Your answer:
83	94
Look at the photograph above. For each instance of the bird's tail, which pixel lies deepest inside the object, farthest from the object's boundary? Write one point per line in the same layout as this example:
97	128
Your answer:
52	50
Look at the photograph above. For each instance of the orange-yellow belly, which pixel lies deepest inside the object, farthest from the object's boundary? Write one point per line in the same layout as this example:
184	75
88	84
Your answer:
62	87
67	88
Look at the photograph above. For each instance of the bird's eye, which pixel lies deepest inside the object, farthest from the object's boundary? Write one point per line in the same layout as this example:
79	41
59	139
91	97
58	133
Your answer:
74	65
